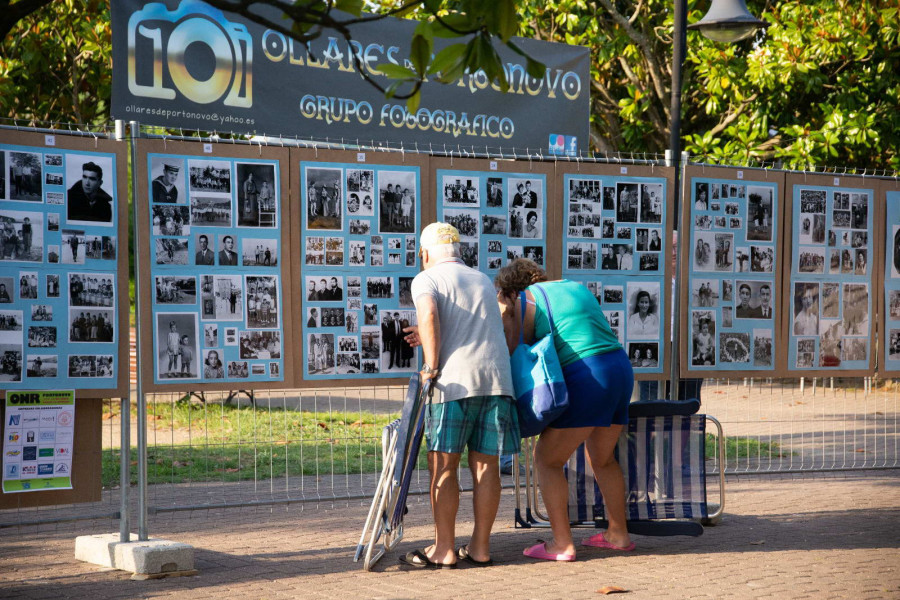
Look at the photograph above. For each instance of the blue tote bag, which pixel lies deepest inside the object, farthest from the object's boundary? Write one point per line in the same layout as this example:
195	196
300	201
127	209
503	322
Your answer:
541	393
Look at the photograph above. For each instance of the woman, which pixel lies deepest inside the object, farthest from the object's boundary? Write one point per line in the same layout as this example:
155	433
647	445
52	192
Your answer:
642	323
213	367
599	378
531	228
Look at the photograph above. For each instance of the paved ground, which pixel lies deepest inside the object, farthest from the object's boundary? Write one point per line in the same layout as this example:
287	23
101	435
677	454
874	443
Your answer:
811	536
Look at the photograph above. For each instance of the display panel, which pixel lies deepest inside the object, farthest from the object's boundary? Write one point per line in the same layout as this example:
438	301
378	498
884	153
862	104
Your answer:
730	300
829	301
215	291
617	243
890	361
62	265
358	256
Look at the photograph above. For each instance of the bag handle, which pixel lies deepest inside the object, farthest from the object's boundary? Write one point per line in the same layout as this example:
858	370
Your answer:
549	310
523	302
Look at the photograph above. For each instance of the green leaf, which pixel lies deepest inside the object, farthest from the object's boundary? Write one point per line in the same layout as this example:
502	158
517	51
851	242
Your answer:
507	20
453	25
354	7
420	54
412	103
395	71
447	58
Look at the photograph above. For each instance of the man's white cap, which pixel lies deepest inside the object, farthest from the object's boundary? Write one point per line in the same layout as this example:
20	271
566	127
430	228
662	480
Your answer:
438	233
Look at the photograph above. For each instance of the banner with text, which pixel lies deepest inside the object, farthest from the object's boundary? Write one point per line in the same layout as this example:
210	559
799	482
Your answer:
188	65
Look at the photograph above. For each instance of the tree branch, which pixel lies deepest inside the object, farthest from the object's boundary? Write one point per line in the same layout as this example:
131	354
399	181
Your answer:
730	117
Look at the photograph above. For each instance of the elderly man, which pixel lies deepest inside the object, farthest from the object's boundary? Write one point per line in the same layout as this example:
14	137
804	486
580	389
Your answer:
461	334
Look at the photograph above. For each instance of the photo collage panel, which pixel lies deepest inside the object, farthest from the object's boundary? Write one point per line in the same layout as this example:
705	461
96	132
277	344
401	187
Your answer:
58	251
359	256
215	268
615	244
500	216
732	298
891	359
830	293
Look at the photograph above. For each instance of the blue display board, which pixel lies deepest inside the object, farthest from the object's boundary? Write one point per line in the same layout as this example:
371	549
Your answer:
829	309
59	285
732	290
616	244
500	216
891	343
358	258
216	259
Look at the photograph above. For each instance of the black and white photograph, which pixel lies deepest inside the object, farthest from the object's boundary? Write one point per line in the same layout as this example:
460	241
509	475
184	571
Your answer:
177	346
21	236
360	204
762	348
754	300
831	300
11	320
643	355
225	294
210	211
52	286
861	258
213	368
396	354
91	325
176	289
361	181
466	221
894	344
41	336
734	347
324	199
468	252
853	348
370	342
536	254
702	253
613	294
325	288
855	313
461	190
53	221
627	202
210	176
762	259
495	246
260	345
724	249
73	247
41	312
169	251
315	250
805	308
648	262
25	179
727	317
596	290
238	369
210	335
100	247
231	336
514	252
90	190
257	195
360	227
496	224
701	196
624	233
831	335
704	292
643	310
91	289
742	259
357	253
170	219
259	252
397	202
55	198
494	192
53	160
227	255
703	338
840	219
320	353
352	320
651	203
370	314
811	260
525	193
348	363
28	285
334	251
332	317
615	320
167	180
42	365
859	210
812	201
8	289
262	301
617	257
91	365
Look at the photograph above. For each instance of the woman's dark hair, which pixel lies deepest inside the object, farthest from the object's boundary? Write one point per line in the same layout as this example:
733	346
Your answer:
637	300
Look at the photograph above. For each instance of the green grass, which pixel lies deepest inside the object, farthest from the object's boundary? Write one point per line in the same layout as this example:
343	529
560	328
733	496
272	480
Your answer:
229	443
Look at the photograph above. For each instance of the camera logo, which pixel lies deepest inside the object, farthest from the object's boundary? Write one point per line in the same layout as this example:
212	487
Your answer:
162	37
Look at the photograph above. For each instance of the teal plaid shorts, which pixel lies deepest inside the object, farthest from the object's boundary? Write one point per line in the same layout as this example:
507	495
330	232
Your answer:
486	424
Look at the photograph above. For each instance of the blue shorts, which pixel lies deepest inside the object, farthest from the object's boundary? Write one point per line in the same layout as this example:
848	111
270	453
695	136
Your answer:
599	391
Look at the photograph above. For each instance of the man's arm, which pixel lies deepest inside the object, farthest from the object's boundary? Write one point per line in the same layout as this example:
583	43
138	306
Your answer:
429	331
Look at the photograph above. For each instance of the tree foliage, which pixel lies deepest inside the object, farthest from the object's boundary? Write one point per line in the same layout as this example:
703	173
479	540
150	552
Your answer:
820	86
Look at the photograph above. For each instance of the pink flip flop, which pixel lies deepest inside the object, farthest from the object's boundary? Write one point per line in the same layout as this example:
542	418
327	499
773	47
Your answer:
539	550
600	541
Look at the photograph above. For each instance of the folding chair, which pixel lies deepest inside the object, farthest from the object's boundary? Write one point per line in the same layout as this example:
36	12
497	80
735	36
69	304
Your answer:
400	442
662	453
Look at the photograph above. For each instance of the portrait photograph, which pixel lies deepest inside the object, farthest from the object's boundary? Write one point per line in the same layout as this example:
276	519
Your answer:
324	198
90	190
754	299
627	202
24	174
262	301
257	195
651	202
396	354
643	355
805	308
91	325
210	211
213	367
177	346
703	338
209	176
494	192
701	196
325	288
397	202
859	210
461	190
643	310
167	180
525	193
21	236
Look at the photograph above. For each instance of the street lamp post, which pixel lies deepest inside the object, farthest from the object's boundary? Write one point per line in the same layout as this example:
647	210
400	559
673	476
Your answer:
726	21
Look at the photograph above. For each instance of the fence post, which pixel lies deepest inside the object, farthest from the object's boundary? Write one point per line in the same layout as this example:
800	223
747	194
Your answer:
143	533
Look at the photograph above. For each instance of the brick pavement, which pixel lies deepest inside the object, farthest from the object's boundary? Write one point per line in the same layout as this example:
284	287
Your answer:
816	536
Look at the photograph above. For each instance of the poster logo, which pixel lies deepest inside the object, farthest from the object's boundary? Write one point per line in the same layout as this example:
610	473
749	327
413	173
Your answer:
12	471
13	438
48	436
160	38
62	468
14	420
65	418
63	451
45	453
13	453
29	470
45	469
29	453
563	145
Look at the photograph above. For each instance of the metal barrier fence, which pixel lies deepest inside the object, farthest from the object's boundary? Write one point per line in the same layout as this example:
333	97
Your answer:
323	446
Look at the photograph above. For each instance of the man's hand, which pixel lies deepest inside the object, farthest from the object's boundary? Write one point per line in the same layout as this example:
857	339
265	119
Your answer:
412	336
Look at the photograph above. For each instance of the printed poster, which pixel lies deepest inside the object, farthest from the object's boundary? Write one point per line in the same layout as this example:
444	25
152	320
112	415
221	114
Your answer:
38	440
